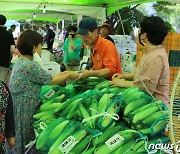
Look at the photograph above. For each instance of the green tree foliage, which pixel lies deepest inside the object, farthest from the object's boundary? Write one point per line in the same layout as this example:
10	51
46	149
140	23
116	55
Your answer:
130	16
163	9
170	27
170	12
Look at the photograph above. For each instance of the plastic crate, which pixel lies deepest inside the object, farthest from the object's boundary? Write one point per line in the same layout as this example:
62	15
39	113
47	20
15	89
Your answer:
174	58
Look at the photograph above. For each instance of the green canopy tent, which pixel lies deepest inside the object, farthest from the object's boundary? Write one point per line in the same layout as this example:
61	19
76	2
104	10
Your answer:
64	9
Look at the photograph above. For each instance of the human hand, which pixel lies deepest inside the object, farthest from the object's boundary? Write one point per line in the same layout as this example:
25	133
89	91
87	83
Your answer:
84	74
11	142
117	75
118	82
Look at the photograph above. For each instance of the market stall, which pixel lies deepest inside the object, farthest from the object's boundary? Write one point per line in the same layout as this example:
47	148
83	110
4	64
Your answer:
89	116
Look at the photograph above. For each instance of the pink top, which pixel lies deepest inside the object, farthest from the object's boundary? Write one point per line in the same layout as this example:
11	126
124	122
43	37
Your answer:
153	70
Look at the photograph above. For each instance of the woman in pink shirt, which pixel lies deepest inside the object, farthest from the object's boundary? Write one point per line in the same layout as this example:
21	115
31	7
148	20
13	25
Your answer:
152	74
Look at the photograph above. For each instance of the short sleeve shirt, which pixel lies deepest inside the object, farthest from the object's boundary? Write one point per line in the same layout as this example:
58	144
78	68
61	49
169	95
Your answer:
69	53
153	72
105	55
6	40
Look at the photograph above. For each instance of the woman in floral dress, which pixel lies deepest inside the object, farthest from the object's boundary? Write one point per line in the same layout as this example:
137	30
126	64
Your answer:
26	81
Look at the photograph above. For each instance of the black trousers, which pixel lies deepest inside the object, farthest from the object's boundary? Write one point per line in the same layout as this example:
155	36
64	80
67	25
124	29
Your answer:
50	46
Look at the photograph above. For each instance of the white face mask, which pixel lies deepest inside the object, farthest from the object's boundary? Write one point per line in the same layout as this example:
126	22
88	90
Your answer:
37	59
141	41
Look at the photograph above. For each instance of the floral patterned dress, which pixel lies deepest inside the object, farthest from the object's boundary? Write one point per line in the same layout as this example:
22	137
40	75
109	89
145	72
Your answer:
26	81
6	116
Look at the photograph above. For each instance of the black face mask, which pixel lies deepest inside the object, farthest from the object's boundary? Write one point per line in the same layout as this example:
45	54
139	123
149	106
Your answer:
73	35
140	40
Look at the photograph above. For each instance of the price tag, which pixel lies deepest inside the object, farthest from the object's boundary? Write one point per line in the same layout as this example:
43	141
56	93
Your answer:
68	144
114	141
50	93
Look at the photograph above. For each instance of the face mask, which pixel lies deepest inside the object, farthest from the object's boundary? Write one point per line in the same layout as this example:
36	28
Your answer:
73	35
37	59
141	41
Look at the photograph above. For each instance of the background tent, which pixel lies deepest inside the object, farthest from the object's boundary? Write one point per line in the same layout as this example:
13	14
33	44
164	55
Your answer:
64	9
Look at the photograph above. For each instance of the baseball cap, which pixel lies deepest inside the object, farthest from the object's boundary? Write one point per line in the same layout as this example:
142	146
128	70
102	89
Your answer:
85	25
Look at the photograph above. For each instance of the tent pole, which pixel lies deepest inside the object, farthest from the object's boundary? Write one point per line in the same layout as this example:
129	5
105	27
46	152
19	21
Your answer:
32	25
72	22
104	13
57	27
62	25
79	18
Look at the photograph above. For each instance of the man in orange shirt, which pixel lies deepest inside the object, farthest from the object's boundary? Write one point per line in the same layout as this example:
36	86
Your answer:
106	61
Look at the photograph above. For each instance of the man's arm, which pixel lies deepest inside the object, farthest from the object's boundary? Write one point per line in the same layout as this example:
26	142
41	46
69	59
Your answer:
46	37
104	73
12	43
51	36
110	59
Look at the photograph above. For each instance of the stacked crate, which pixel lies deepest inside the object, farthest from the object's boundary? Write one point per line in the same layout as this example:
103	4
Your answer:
127	50
174	47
